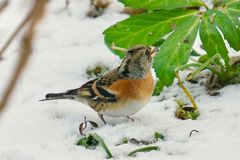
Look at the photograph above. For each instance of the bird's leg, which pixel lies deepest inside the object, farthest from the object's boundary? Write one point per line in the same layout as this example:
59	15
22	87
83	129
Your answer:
130	118
101	117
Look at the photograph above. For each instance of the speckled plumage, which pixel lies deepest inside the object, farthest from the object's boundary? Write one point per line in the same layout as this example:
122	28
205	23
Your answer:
121	92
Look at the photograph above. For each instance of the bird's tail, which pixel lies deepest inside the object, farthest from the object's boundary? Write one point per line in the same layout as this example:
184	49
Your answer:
70	94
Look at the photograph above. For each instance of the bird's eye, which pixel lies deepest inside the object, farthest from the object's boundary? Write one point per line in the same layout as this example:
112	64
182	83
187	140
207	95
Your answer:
130	52
148	51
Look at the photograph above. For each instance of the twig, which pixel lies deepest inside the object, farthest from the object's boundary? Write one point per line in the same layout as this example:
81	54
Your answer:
83	126
194	130
3	5
15	33
67	3
35	16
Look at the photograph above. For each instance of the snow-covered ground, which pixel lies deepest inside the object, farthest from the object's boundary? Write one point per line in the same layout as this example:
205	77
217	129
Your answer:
67	43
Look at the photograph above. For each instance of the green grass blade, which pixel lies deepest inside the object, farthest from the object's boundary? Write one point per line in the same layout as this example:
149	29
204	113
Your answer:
102	143
144	149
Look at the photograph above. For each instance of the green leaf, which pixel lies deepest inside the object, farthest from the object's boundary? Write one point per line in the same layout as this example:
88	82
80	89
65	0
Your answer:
233	16
158	135
161	4
217	2
92	140
211	38
158	88
195	53
228	29
229	2
194	115
144	149
147	29
203	58
234	8
175	51
187	113
125	140
87	142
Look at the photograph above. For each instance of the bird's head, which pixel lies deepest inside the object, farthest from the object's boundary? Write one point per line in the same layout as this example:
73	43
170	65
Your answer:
137	61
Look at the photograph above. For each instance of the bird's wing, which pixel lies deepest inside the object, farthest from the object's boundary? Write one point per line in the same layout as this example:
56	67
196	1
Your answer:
97	89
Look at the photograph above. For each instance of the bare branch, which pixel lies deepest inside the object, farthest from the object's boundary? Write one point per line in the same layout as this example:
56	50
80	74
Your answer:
3	5
18	29
67	2
34	17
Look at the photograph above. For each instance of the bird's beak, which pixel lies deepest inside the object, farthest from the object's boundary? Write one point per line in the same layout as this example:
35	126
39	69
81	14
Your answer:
154	50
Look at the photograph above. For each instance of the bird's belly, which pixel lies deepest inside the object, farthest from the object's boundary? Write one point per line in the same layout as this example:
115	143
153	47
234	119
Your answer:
124	110
132	96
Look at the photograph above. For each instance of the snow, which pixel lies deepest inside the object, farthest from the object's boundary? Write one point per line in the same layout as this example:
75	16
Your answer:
67	43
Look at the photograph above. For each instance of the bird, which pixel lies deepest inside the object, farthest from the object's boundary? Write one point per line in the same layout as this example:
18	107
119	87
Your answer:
121	92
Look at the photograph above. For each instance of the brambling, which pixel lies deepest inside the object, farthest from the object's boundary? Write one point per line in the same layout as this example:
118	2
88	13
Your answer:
121	92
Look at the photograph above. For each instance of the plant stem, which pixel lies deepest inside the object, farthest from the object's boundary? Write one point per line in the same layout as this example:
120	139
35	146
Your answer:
186	91
118	48
204	65
197	65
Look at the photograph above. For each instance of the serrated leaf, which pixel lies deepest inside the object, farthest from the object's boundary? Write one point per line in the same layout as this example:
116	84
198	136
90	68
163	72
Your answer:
211	38
145	29
161	4
234	8
227	28
234	18
229	2
175	50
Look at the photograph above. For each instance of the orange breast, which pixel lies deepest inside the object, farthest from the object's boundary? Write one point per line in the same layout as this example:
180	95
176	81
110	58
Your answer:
135	89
